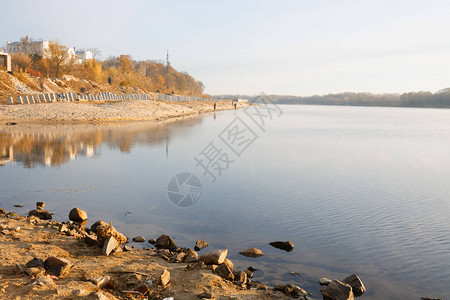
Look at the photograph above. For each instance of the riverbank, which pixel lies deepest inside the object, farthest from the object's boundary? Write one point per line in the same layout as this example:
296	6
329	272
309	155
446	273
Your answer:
130	110
45	259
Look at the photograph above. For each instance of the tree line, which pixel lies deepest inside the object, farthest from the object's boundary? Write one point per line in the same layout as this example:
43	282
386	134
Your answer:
149	75
440	99
412	99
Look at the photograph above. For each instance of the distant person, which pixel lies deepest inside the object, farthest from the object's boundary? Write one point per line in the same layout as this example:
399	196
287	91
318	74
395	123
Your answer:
214	106
234	105
109	80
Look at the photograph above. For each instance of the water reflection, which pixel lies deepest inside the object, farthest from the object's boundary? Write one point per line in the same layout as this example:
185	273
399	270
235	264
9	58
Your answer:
54	145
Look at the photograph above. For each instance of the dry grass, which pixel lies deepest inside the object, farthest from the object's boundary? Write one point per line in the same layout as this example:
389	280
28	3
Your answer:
23	84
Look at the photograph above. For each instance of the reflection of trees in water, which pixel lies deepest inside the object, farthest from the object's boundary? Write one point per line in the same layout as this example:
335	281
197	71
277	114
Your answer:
56	145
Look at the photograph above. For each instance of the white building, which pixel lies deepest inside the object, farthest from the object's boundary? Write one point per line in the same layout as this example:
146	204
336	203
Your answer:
83	55
42	48
27	46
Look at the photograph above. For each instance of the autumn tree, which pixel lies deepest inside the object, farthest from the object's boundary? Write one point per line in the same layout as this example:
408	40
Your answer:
125	63
60	60
91	69
20	61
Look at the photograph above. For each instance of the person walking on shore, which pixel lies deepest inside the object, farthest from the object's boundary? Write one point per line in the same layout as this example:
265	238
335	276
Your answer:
234	105
214	106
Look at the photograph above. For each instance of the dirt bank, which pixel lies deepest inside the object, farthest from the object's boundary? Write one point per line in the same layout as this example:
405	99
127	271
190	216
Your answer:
128	110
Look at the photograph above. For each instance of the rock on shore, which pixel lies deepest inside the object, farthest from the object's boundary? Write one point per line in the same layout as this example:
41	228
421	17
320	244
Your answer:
358	287
337	290
165	242
39	212
346	289
77	215
286	246
200	244
252	252
106	231
176	273
214	258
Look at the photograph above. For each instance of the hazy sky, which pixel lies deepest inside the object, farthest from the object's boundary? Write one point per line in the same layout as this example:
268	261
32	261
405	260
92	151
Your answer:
300	47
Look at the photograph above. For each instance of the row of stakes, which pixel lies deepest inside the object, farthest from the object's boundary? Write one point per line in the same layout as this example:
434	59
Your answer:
72	97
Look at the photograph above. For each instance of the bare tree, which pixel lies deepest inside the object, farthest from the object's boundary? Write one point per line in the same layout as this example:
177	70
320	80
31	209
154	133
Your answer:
95	53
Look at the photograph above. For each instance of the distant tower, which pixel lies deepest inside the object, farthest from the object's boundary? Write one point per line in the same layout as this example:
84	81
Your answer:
167	59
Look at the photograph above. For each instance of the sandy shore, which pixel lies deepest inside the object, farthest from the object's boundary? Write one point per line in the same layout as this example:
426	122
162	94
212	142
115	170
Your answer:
25	238
132	110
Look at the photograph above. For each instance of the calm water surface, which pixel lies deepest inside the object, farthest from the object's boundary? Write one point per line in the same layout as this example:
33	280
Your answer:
358	190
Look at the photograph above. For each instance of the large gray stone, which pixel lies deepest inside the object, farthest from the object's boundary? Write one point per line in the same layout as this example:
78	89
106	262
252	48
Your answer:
109	245
228	263
139	239
225	272
215	257
106	231
286	246
337	290
35	263
191	256
96	224
41	214
57	266
165	242
240	277
358	287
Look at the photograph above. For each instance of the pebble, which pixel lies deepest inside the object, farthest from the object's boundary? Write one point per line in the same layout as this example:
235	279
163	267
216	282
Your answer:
139	239
101	281
200	244
252	252
205	296
324	281
164	279
80	293
43	280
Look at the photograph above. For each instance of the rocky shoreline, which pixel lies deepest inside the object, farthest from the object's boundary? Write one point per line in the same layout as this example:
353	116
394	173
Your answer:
45	259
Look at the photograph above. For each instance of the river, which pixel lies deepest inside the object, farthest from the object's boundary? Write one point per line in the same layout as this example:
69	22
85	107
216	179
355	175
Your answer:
360	190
